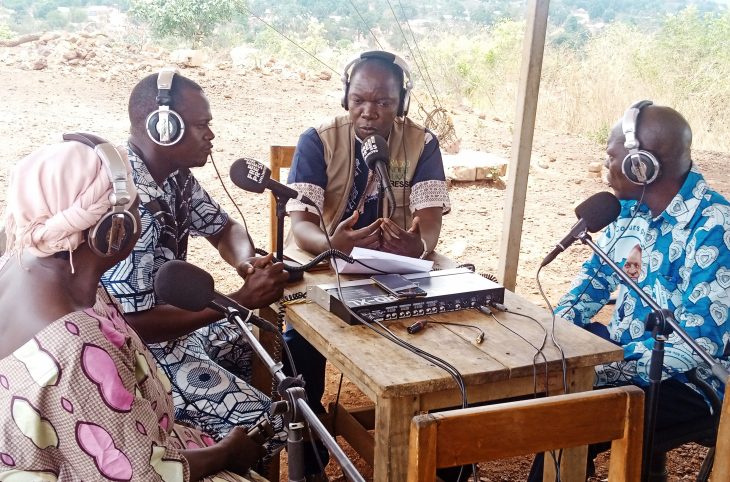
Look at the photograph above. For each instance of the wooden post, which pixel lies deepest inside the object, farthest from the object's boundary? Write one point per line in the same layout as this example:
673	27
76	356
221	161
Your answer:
514	208
721	469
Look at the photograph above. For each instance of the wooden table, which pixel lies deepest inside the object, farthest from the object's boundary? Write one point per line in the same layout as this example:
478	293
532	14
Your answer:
402	384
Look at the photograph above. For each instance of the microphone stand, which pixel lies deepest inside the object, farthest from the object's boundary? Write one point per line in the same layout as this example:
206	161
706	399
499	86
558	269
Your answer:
297	413
281	201
661	323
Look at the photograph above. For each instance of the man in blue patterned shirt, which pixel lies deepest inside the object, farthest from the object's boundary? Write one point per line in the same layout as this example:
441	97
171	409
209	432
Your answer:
673	237
206	358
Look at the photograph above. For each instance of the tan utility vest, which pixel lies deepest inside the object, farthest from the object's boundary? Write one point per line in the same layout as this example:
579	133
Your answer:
405	144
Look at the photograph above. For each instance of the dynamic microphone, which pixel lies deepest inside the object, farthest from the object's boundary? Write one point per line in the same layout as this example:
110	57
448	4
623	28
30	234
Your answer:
251	175
190	288
594	214
375	154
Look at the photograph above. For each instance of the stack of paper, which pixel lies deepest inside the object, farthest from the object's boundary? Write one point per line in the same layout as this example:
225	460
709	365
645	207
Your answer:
368	261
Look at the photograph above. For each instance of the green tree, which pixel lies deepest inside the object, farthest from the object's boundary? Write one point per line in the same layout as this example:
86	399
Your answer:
193	20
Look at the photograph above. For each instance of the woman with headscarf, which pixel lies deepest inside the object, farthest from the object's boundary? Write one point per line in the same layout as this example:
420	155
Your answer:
81	397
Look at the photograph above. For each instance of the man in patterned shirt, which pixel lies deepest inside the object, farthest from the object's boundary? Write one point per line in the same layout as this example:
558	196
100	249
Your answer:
206	358
680	229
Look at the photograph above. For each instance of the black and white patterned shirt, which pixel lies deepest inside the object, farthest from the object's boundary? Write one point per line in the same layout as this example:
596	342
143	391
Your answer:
170	214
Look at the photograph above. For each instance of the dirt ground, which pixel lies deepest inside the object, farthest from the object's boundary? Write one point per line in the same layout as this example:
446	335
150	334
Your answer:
257	108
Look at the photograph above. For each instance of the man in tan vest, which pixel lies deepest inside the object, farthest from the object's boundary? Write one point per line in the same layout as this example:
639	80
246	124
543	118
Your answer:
329	168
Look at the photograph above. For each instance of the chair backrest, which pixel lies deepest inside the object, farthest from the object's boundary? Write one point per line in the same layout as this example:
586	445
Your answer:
490	432
280	157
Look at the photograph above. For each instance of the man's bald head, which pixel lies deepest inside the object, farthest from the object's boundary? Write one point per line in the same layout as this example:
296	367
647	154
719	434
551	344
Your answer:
665	133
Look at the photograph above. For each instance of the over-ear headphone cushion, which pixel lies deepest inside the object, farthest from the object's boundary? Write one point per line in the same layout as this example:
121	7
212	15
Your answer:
174	126
640	167
99	236
403	102
344	96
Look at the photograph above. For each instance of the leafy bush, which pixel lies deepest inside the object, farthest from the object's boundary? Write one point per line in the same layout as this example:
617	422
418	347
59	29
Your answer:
193	20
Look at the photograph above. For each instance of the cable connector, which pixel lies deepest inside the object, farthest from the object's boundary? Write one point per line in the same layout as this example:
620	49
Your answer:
479	339
485	309
498	306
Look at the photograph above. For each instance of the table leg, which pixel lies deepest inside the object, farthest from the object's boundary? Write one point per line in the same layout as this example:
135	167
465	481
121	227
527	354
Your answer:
392	425
573	460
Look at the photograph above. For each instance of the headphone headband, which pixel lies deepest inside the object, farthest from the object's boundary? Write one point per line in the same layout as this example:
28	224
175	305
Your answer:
114	165
380	54
164	85
628	124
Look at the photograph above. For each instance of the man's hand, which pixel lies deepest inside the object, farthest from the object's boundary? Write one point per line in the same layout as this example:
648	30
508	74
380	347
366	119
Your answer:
345	238
396	240
264	282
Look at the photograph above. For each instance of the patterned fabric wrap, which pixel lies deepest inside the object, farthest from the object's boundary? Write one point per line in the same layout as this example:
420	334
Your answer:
84	400
681	258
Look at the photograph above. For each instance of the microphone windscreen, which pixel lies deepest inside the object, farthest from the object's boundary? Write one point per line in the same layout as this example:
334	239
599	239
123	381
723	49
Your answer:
598	211
250	174
184	285
375	148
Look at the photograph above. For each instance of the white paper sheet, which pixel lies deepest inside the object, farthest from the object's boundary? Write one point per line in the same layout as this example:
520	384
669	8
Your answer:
382	263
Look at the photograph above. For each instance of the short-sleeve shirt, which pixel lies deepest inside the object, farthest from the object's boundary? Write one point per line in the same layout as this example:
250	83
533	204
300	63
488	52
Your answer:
308	175
169	213
681	258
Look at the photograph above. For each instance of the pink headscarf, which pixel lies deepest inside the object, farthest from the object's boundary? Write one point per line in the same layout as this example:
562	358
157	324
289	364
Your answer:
55	194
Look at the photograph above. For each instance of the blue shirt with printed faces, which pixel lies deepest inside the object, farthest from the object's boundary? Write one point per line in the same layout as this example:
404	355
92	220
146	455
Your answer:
681	258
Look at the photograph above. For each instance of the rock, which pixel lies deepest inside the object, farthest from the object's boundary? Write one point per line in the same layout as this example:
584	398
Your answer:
474	166
47	37
325	75
187	57
595	167
40	64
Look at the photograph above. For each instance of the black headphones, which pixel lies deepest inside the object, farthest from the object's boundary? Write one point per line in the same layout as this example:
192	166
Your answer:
404	99
639	166
165	126
117	228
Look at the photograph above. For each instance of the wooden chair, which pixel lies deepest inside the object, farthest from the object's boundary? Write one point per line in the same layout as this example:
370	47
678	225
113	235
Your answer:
490	432
280	157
